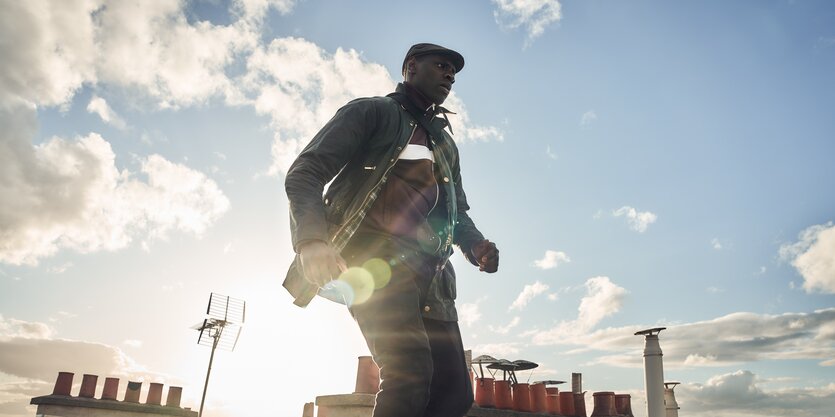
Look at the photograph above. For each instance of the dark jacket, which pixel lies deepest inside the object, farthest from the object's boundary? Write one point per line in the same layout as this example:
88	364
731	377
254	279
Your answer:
358	147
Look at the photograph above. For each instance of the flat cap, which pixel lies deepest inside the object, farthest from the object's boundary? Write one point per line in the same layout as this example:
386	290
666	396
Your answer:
419	49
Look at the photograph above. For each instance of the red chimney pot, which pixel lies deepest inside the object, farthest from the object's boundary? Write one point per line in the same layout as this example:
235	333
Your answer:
63	384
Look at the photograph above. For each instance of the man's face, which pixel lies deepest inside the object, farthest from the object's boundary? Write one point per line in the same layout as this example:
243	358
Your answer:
433	75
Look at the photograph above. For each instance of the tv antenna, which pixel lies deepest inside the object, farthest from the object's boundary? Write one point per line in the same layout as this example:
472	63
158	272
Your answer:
221	328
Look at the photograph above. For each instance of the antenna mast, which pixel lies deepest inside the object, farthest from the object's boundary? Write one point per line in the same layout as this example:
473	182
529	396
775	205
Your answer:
221	328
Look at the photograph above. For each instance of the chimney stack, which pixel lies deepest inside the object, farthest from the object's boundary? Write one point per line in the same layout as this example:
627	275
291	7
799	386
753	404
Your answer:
576	382
56	403
670	399
653	372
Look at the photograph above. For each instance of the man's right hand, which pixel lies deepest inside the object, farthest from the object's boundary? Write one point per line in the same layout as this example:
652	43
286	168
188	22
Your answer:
321	264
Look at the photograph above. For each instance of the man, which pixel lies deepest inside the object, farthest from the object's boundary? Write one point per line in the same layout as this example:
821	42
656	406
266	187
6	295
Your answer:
395	207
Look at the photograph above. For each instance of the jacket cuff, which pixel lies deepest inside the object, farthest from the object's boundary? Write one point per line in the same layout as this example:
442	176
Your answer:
297	247
467	250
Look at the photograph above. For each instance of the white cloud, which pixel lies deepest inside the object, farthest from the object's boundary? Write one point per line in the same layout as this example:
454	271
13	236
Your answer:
534	15
552	259
496	350
152	47
39	356
53	48
132	343
15	396
741	394
716	244
696	359
47	51
469	313
814	257
99	106
12	328
638	220
728	340
255	9
61	315
506	328
588	118
464	129
603	298
69	194
528	293
715	290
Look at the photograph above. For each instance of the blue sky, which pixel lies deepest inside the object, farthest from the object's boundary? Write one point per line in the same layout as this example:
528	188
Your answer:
639	164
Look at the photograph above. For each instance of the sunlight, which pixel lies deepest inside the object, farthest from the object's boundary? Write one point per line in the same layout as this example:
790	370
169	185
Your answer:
286	354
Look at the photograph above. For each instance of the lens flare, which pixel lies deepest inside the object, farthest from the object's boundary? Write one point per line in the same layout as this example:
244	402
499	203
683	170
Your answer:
361	283
380	271
339	291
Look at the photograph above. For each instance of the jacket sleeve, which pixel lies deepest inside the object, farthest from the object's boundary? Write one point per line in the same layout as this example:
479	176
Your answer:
319	162
466	234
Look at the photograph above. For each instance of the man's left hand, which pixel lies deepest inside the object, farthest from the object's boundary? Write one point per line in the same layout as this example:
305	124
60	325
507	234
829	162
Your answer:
487	256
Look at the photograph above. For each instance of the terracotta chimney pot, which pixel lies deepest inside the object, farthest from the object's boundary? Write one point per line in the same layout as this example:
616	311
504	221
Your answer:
623	405
154	394
88	386
567	403
174	396
111	388
368	376
132	393
604	404
504	400
308	410
484	390
553	400
539	398
522	397
63	384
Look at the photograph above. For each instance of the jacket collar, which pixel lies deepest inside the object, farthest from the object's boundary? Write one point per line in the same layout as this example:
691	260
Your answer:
421	102
419	99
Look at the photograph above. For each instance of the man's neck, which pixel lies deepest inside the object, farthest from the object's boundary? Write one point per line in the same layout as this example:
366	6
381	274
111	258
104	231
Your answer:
417	97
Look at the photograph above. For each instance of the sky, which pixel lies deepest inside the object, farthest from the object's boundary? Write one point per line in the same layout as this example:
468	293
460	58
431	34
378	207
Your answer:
638	163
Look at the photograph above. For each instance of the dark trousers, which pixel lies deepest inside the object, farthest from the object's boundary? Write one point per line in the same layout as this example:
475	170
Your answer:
422	366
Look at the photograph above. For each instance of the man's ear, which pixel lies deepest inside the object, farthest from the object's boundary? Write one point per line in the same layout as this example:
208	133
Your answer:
411	65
